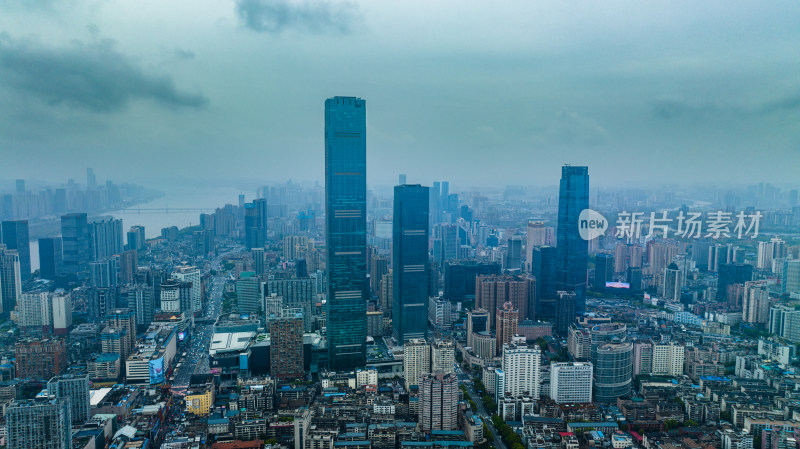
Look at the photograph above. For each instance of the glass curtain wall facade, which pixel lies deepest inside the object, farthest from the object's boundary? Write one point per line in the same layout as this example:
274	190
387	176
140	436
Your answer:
346	231
410	262
572	252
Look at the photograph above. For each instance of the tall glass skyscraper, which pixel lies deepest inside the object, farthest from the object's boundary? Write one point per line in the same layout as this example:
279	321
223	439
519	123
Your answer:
410	262
346	230
572	252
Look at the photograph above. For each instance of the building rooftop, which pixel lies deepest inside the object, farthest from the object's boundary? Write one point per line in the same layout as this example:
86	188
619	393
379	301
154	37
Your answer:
98	396
230	342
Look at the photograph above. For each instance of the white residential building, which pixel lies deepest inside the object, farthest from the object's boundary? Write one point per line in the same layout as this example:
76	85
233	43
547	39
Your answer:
33	309
416	360
61	303
571	382
773	350
443	356
755	306
366	377
668	359
170	298
521	365
45	309
191	274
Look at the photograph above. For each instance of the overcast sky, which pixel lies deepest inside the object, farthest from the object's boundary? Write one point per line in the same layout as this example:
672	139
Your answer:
480	93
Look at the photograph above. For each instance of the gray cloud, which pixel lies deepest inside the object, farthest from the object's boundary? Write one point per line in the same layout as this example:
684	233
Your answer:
673	109
276	16
571	128
789	103
92	76
185	55
22	5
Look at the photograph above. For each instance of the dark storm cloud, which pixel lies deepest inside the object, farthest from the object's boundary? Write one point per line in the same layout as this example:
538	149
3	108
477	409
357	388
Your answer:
92	76
673	109
276	16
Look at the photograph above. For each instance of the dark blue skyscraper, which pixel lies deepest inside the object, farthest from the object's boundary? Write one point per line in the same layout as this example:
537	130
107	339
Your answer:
255	223
410	262
565	312
543	268
75	242
603	270
15	236
346	230
572	252
50	258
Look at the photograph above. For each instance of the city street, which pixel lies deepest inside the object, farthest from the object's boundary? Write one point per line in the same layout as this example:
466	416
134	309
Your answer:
196	360
465	380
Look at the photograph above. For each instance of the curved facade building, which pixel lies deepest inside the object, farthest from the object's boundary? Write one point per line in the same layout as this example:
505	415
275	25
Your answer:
483	345
607	332
613	370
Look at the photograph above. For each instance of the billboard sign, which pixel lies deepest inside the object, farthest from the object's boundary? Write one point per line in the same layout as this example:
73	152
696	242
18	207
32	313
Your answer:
157	371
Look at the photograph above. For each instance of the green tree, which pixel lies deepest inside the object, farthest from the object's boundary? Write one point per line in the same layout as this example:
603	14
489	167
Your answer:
488	402
671	424
487	433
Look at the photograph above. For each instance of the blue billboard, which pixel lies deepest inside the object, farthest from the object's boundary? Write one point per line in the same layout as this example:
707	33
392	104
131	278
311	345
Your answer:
157	371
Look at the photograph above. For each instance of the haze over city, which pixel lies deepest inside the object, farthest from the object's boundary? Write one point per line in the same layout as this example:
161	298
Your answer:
296	224
230	92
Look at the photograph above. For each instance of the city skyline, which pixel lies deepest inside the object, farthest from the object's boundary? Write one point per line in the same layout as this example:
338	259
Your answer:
242	258
610	86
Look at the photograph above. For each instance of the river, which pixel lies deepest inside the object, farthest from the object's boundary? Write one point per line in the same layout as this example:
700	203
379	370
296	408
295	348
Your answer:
176	198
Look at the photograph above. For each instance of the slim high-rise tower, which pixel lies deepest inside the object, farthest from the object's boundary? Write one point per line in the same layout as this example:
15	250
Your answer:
255	223
10	279
346	230
603	270
75	242
15	236
410	259
572	252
